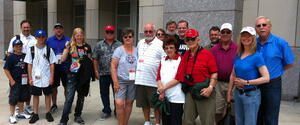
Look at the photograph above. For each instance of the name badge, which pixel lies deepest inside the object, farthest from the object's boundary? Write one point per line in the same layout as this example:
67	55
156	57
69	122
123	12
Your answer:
24	79
131	74
141	61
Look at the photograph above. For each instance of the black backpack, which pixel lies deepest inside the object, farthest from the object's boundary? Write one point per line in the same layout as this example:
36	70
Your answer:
47	53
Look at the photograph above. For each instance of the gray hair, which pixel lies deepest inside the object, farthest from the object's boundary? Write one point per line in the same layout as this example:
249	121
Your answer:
263	17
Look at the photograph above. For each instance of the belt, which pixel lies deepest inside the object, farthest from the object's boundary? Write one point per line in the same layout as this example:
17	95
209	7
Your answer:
242	91
275	79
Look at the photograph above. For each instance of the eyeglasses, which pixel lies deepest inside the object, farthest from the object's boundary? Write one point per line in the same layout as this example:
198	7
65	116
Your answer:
125	37
166	48
109	32
261	25
188	39
225	32
160	34
148	31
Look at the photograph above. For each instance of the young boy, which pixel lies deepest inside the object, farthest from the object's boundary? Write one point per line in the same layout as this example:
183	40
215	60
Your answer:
16	71
40	59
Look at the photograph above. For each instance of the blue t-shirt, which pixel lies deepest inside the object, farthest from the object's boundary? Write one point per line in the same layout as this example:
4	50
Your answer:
58	48
16	65
276	53
248	67
126	62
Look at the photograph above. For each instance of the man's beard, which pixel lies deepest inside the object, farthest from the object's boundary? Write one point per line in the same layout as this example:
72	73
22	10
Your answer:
149	37
170	33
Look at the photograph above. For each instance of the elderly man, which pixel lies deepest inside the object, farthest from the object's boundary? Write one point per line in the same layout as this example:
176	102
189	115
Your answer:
214	36
171	28
182	27
28	40
224	53
57	42
278	57
150	52
102	54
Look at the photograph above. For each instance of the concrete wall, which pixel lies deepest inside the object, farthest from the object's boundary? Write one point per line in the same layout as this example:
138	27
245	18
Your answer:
6	24
19	15
202	14
150	11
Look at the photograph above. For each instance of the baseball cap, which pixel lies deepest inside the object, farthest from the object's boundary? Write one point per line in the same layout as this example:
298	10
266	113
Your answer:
109	27
40	33
17	42
226	26
249	29
58	25
193	33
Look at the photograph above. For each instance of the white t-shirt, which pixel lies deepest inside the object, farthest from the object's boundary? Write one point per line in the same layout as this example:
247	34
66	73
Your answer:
27	43
168	72
40	65
149	56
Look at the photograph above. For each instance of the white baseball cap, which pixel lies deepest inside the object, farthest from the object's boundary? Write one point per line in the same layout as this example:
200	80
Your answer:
249	29
226	26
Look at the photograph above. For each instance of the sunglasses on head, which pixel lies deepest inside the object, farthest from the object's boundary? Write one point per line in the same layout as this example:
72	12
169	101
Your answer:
261	25
148	31
188	39
160	34
226	32
109	32
125	37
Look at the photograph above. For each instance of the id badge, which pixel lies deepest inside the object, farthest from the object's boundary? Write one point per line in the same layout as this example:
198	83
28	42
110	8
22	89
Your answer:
24	79
141	60
131	74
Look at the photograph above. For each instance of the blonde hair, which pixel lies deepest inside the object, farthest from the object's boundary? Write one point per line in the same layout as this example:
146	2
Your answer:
241	47
73	41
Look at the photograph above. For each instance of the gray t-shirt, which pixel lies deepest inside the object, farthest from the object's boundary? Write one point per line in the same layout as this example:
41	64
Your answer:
127	62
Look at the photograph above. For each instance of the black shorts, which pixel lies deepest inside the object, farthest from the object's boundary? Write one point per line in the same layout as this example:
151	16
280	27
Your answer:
19	93
59	76
37	91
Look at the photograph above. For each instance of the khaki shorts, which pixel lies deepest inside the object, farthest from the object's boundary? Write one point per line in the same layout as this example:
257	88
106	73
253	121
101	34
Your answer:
221	96
144	95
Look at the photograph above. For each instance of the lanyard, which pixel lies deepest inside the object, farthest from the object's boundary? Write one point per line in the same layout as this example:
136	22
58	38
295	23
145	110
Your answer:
194	61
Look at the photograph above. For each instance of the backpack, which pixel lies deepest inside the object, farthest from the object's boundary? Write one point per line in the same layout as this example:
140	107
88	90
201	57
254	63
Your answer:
47	53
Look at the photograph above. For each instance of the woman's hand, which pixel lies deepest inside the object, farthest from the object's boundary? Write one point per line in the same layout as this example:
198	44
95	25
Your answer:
239	83
161	96
161	89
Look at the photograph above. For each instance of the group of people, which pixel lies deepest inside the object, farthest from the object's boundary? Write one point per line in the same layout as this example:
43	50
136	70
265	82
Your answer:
191	81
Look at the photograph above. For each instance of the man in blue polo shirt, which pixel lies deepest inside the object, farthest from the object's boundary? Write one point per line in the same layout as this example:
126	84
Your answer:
278	58
57	43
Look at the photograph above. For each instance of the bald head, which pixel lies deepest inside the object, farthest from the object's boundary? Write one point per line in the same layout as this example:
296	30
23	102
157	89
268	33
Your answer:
149	31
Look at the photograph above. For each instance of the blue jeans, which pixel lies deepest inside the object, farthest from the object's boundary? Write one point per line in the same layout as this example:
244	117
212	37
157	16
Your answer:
246	107
270	103
71	88
105	81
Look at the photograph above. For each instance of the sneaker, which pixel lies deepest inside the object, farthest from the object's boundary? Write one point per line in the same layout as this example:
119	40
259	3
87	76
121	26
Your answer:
12	119
34	118
23	115
53	108
49	117
62	123
147	123
28	109
79	120
104	116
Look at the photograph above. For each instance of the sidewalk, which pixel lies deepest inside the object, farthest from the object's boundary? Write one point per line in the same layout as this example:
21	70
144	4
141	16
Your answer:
289	114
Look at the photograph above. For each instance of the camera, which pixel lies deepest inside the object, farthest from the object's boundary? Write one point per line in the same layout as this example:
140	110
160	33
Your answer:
189	77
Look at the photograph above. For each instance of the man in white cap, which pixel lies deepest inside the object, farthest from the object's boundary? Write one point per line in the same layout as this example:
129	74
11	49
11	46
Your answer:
224	53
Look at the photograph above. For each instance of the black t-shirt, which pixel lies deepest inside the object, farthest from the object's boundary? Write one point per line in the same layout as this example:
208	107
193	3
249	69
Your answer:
182	46
16	65
76	57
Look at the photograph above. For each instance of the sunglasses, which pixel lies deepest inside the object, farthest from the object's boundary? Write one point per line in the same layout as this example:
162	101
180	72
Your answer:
261	25
148	31
166	48
160	34
109	32
190	39
125	37
225	32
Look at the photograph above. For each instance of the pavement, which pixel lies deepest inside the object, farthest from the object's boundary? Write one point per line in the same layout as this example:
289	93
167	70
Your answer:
289	112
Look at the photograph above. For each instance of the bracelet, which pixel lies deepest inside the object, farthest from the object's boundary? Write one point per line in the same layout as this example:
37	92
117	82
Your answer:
248	82
211	86
214	79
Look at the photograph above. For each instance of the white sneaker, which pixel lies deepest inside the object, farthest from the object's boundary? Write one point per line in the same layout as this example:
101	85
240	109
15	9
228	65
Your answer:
147	123
12	119
17	110
28	109
23	115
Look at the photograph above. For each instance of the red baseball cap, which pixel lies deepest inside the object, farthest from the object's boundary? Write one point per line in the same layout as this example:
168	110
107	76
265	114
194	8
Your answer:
109	27
193	33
